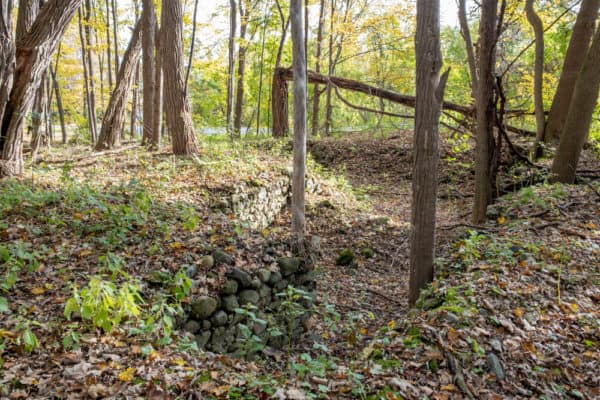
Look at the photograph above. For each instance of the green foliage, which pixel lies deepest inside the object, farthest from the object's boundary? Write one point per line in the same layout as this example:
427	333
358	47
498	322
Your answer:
105	303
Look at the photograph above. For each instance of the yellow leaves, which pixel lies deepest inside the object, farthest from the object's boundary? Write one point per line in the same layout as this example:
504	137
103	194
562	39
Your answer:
449	387
8	334
128	375
530	347
577	362
392	324
38	290
501	220
176	245
519	312
180	361
453	335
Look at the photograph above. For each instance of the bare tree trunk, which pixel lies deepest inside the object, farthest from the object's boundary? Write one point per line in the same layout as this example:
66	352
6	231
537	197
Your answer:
59	105
108	46
115	37
466	34
158	85
231	66
193	42
134	103
33	56
279	88
7	57
148	47
114	117
245	10
86	78
579	117
261	68
538	77
37	116
300	115
91	77
576	53
28	11
177	108
330	71
317	89
484	153
430	96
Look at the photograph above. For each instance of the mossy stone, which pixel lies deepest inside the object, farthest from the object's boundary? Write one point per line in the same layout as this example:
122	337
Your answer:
345	258
203	307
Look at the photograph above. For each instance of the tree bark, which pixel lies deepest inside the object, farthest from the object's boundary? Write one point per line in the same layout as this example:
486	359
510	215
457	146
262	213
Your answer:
484	152
576	53
231	65
114	117
261	69
115	37
38	114
149	73
279	88
466	34
300	119
33	56
90	68
430	94
244	7
134	103
7	57
59	105
579	117
177	108
86	83
108	46
538	77
317	89
158	86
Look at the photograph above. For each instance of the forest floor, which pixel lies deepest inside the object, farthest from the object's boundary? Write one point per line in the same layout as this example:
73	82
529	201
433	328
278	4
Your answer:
513	311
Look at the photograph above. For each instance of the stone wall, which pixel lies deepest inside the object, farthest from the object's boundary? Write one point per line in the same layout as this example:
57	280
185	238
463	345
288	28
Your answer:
216	324
257	204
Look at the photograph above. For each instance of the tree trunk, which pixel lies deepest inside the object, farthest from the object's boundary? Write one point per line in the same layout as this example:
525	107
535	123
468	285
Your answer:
538	77
330	72
244	7
430	95
576	53
466	34
484	152
149	73
108	47
317	89
231	66
279	87
38	115
300	114
115	37
579	117
59	105
134	103
91	76
261	68
114	117
86	83
177	108
7	57
33	56
28	11
158	85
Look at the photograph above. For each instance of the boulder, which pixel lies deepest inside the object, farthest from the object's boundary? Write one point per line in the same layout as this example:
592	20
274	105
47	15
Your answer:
203	307
219	318
222	257
192	326
345	258
289	265
274	278
249	296
264	275
207	262
230	303
230	287
243	278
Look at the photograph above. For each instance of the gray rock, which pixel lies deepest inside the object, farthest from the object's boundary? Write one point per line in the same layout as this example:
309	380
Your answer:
249	296
206	325
219	318
265	292
288	265
230	303
244	278
191	271
281	285
259	326
492	212
218	341
256	283
207	262
221	257
308	277
274	278
496	345
202	339
452	318
495	366
203	307
264	275
230	287
192	326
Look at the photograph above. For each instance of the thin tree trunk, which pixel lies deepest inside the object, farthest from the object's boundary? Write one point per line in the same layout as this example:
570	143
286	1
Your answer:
115	37
114	117
538	77
108	46
91	77
330	71
466	34
158	86
48	111
317	89
579	117
279	87
86	78
191	55
576	53
177	108
484	152
33	56
7	57
261	68
430	96
59	105
244	7
37	117
134	103
231	66
300	119
148	61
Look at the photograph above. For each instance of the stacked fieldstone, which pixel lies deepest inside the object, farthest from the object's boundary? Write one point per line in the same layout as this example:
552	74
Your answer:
215	322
